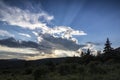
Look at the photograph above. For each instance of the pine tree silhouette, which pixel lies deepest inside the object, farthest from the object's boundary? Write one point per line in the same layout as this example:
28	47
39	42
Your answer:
88	52
82	54
107	48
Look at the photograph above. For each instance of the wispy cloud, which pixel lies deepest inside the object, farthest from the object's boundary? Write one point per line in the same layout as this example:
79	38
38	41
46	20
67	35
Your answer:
5	33
94	43
23	18
25	35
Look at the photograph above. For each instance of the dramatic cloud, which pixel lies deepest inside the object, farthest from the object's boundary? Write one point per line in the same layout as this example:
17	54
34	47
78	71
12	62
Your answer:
25	35
27	19
23	18
48	50
56	41
32	54
5	33
65	32
61	33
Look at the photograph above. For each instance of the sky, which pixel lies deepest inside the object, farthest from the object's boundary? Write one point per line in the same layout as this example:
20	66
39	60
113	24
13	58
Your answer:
82	21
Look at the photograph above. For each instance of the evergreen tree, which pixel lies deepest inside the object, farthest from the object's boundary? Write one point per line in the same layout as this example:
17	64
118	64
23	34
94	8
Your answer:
82	54
107	47
88	52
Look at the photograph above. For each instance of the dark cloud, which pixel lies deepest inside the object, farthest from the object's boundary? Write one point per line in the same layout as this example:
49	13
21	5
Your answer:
57	42
94	43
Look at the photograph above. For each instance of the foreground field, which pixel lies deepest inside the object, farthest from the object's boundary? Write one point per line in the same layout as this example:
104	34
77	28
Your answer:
74	68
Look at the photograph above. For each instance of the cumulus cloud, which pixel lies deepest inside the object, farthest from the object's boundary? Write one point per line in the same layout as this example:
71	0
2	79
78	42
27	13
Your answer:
23	18
92	47
5	33
65	32
25	35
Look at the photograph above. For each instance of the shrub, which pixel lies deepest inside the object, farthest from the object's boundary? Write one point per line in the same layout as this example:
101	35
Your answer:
40	72
64	69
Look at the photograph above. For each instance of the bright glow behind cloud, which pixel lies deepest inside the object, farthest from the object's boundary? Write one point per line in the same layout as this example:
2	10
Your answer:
32	54
19	50
92	48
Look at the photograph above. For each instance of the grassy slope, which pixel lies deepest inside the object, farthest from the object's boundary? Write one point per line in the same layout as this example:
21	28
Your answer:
103	67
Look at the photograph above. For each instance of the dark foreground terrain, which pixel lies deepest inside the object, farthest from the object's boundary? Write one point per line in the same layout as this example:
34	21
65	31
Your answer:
102	67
